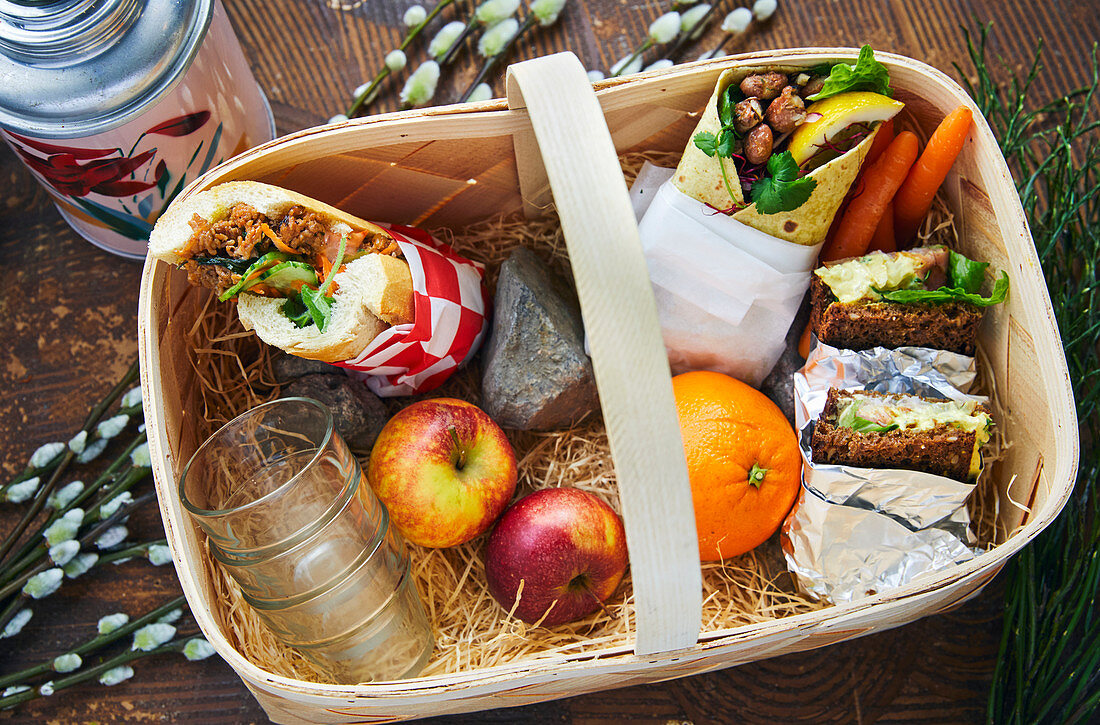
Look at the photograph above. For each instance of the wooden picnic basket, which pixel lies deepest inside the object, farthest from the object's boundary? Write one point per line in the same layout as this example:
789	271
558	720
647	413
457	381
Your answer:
451	166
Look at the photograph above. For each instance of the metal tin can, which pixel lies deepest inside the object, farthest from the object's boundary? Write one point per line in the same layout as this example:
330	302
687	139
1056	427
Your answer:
115	105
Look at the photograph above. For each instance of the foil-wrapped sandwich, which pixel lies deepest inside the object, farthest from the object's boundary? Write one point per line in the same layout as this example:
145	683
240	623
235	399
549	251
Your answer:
868	429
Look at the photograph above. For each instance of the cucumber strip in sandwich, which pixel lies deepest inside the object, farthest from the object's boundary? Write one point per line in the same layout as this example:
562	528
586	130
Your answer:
253	275
290	276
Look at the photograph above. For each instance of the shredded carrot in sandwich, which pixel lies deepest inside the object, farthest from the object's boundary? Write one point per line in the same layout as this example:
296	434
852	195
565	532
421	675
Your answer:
264	290
276	241
325	264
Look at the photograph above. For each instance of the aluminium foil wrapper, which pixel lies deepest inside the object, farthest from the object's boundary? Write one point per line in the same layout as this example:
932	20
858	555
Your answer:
855	531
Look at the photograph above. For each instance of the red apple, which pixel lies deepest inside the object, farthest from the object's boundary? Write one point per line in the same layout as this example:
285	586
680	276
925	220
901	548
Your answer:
565	546
444	470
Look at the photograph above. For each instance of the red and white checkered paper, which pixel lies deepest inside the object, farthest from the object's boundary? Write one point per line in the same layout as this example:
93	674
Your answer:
451	308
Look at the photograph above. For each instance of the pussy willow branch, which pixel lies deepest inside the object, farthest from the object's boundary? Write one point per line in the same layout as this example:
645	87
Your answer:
369	93
490	63
131	552
44	493
692	34
96	643
126	657
35	550
34	544
89	538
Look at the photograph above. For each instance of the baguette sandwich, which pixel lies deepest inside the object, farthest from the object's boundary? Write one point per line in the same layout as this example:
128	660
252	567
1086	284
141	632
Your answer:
924	297
885	430
308	278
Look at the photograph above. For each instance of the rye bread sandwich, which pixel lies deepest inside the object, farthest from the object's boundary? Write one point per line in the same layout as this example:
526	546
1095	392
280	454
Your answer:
923	297
886	430
308	278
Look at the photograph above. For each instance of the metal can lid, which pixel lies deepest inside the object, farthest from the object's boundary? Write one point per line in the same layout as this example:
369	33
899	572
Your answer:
71	68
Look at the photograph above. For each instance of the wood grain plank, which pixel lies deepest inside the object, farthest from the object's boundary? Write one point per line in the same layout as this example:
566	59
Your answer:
70	314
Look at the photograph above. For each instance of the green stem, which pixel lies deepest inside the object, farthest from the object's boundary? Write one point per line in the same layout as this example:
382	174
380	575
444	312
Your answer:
136	550
96	643
633	56
756	475
490	62
369	93
44	492
726	179
175	645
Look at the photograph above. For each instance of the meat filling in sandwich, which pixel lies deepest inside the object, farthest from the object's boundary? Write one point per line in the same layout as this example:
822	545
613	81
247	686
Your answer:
248	251
925	297
309	278
879	430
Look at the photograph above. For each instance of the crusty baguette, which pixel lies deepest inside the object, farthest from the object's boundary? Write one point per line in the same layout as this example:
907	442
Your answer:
943	451
951	326
374	291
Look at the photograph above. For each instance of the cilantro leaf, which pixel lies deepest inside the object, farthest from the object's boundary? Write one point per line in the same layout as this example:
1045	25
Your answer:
706	142
295	311
727	99
783	189
951	294
866	75
724	142
727	141
964	273
850	419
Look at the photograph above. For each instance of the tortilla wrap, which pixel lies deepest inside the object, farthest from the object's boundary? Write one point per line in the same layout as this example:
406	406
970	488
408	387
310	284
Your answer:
700	177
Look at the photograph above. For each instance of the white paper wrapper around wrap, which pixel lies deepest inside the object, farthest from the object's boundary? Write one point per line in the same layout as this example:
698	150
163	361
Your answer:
726	293
859	531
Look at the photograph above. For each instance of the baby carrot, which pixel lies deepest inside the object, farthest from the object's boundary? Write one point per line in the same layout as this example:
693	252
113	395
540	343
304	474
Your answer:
882	139
878	184
914	198
883	239
804	342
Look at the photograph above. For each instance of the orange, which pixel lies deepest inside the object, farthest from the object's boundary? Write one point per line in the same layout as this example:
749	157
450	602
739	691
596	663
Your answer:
742	458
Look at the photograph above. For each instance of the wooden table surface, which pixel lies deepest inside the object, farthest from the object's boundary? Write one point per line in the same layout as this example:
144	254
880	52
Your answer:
69	313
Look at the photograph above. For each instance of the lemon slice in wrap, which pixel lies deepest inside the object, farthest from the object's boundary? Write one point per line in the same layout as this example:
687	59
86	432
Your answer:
700	176
834	115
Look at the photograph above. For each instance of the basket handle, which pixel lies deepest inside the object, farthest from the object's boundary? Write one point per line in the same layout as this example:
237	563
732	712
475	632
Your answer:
628	354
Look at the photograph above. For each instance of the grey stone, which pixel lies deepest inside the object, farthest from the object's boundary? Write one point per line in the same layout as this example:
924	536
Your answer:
357	413
536	375
286	367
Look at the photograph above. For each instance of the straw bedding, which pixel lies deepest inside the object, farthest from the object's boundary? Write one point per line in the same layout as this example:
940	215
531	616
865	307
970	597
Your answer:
471	630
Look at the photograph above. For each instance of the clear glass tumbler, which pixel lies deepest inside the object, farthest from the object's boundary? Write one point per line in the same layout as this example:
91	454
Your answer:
289	517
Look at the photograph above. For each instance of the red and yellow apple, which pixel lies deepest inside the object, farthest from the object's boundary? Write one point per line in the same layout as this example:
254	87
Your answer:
444	470
560	551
